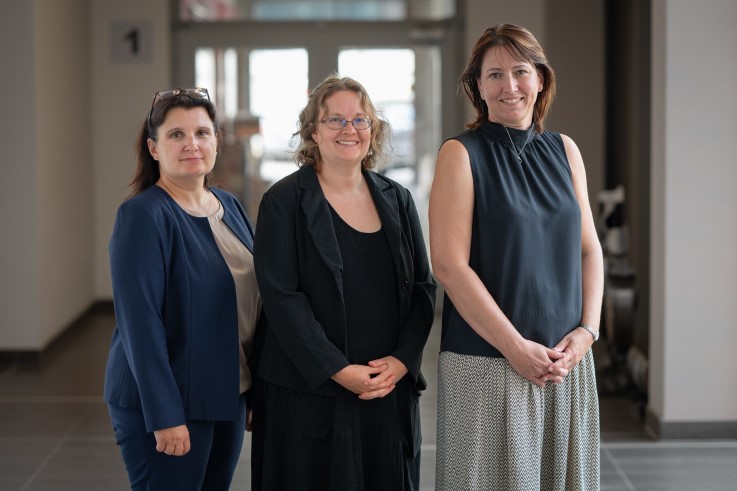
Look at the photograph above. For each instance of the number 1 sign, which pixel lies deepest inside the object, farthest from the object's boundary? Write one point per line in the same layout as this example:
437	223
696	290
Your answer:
130	42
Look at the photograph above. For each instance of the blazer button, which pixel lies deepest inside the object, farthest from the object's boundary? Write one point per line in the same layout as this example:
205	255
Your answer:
405	285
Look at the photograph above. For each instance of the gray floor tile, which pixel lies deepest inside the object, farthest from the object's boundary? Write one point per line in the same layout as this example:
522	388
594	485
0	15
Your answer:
242	477
95	422
427	469
55	433
38	419
82	465
19	459
675	466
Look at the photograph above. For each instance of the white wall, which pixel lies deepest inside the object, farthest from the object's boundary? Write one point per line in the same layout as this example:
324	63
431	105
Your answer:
656	392
19	297
481	14
64	168
694	199
68	153
46	205
574	44
120	98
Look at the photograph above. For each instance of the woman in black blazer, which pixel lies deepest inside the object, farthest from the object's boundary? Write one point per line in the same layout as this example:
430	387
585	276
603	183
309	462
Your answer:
348	302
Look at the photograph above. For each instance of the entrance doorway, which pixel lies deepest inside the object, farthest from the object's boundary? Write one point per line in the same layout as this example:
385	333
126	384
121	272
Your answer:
260	78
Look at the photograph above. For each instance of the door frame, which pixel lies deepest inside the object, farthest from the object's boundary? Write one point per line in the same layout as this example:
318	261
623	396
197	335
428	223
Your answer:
323	41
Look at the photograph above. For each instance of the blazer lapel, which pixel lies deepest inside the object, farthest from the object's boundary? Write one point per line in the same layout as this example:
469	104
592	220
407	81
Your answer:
385	199
234	225
239	231
319	222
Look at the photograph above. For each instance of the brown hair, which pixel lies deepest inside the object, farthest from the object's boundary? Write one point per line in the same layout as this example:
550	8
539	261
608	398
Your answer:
308	153
523	46
147	169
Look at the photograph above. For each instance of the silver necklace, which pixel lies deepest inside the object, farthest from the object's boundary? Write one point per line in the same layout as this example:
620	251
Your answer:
519	153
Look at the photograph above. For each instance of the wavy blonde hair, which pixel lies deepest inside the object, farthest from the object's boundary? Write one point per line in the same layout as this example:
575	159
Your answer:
307	151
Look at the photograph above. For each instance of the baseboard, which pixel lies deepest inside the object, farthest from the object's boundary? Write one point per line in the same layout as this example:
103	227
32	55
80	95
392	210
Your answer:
38	358
689	430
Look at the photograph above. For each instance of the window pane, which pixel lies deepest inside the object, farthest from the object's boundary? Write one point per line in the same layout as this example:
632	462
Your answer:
278	92
393	96
301	10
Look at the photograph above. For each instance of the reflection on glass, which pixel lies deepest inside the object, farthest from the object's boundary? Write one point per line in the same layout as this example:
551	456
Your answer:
278	92
229	87
365	10
217	70
306	10
211	10
393	96
204	66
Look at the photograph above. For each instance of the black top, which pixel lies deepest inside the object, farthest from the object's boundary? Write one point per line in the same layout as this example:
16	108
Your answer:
526	237
369	291
305	334
302	338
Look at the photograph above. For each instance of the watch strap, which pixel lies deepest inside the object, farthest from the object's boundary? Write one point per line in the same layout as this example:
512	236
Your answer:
591	330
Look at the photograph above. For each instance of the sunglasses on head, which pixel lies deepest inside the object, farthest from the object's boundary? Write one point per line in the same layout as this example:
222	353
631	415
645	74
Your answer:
196	93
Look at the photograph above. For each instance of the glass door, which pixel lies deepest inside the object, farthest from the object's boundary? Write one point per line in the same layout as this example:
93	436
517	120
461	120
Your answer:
393	96
258	94
261	77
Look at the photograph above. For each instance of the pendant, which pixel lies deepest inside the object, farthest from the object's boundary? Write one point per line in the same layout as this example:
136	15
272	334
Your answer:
519	159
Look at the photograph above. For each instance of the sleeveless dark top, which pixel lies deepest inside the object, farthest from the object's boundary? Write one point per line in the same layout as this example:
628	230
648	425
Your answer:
369	292
526	238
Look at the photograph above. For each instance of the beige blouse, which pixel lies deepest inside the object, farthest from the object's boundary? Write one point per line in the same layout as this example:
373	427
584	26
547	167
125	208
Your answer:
240	261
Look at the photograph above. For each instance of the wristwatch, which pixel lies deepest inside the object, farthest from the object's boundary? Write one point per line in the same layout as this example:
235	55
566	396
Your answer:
591	330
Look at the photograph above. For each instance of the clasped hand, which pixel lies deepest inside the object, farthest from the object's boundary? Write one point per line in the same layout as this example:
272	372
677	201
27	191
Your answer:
540	364
377	379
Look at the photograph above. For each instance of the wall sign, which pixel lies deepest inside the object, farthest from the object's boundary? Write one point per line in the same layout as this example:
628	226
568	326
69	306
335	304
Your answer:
131	41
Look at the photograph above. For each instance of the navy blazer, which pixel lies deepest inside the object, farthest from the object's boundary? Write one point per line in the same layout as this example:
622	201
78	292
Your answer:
174	352
302	336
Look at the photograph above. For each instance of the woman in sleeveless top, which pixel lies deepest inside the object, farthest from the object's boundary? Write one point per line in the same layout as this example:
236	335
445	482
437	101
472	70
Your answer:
348	302
513	243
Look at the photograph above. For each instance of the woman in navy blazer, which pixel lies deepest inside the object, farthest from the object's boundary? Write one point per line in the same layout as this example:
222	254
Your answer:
186	304
348	304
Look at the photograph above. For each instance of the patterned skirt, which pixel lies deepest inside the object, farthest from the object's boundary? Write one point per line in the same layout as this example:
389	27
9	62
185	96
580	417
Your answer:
498	431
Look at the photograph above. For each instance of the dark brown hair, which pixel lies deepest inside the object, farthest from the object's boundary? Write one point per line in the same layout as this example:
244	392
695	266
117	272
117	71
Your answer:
147	169
523	46
308	153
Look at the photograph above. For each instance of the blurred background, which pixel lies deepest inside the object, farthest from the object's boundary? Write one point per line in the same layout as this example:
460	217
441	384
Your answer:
645	88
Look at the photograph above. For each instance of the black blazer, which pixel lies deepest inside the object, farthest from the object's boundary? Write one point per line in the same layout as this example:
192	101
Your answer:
302	336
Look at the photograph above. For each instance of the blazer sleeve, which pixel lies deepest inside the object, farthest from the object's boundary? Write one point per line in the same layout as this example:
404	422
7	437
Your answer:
290	316
416	329
138	277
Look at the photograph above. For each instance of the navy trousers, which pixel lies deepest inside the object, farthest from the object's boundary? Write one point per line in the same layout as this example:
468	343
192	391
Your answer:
209	465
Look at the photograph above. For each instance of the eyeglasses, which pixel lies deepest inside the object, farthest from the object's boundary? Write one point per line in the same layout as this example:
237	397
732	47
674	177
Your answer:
196	93
340	123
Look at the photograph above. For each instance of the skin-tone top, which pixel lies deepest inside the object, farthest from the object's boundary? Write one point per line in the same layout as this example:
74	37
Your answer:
240	262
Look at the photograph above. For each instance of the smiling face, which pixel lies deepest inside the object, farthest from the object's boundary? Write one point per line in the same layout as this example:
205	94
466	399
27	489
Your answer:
346	146
186	144
509	87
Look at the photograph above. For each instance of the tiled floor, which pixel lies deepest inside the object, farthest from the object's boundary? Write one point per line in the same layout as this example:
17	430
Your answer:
55	434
